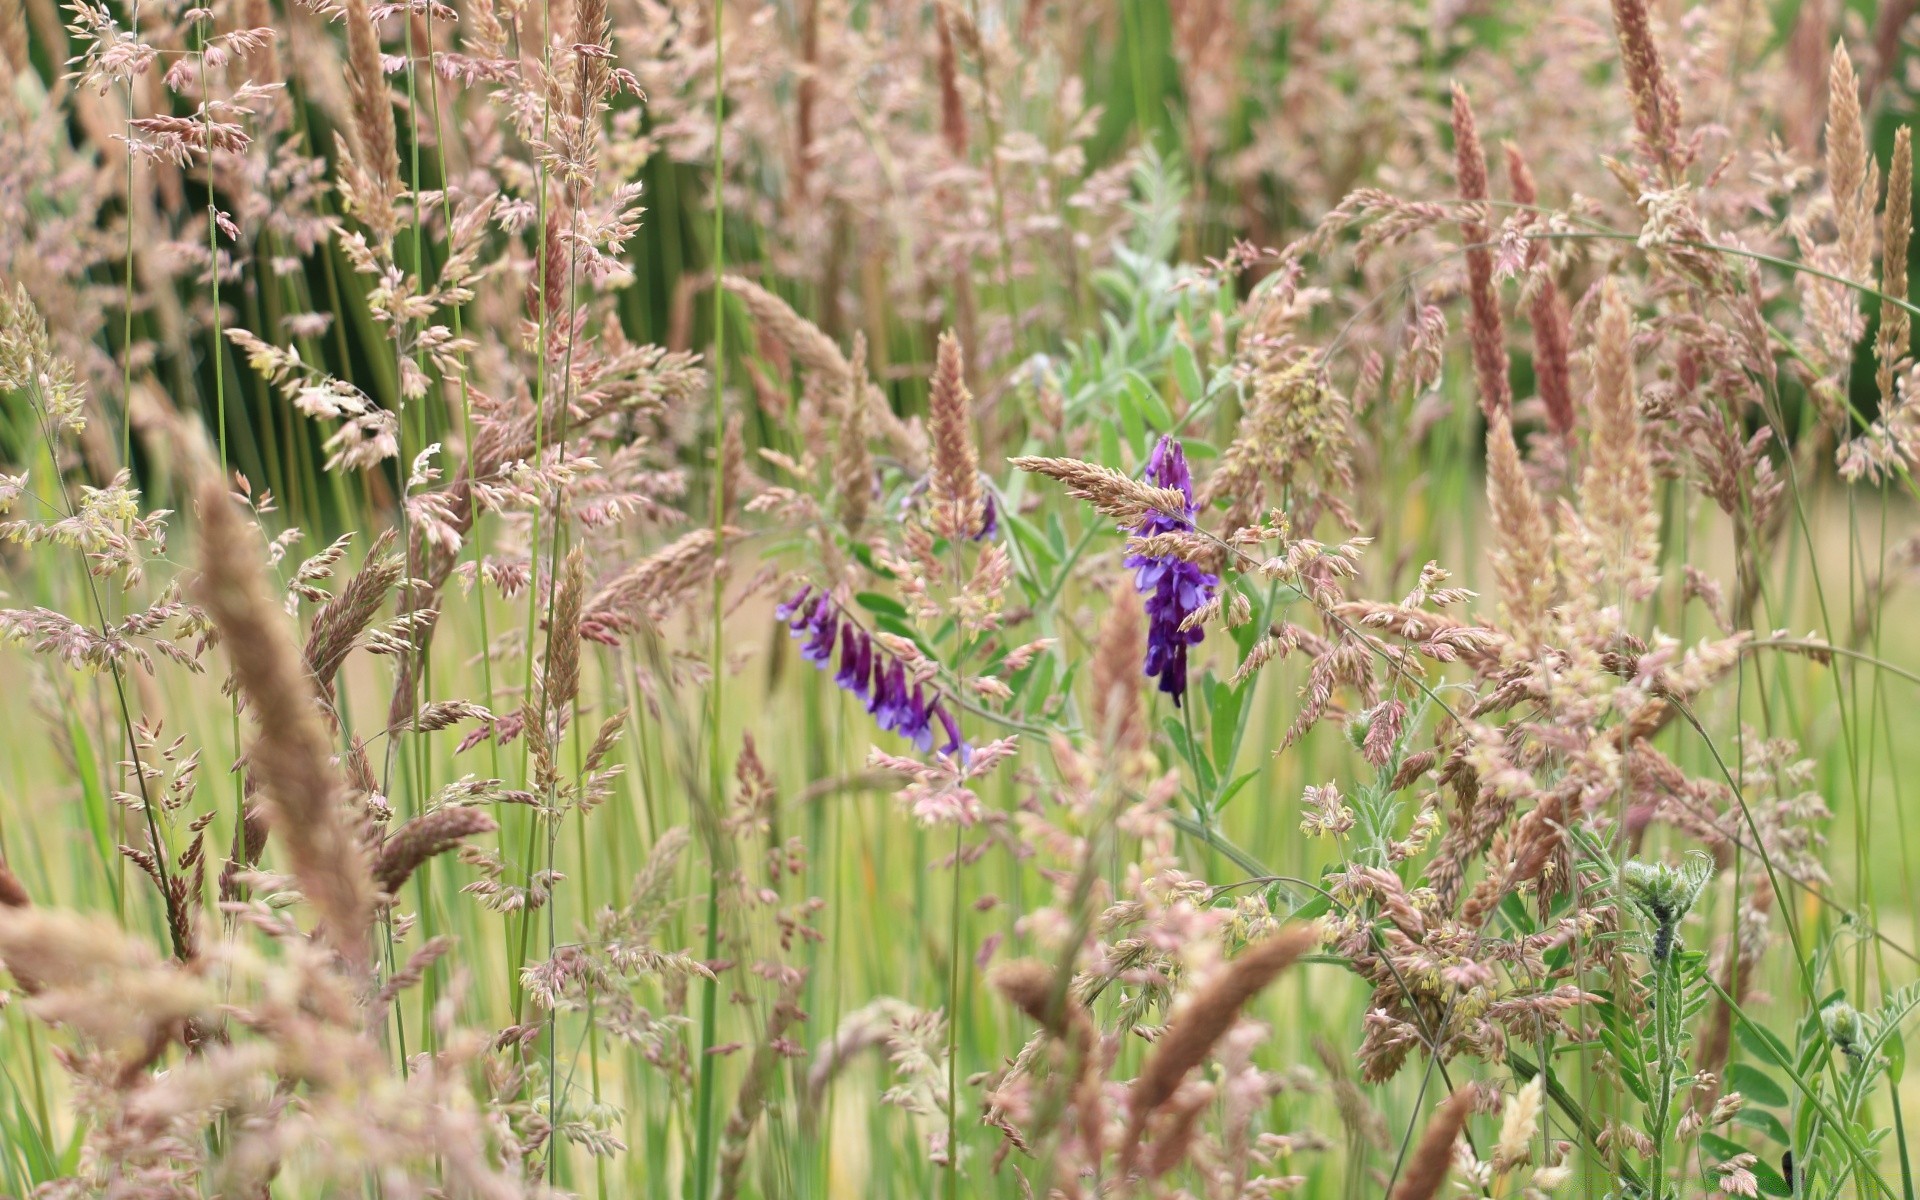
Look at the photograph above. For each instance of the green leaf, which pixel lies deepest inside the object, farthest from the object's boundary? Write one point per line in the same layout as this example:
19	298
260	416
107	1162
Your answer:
1224	720
1186	372
879	605
1762	1044
1034	686
1133	423
1030	539
1110	446
1757	1086
1152	404
1233	789
1319	906
888	623
1765	1123
864	553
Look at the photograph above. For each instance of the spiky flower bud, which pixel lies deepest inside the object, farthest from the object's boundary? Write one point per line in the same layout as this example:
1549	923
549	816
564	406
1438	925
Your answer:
1846	1028
1665	895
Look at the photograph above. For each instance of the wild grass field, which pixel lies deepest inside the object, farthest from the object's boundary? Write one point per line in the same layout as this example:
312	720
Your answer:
1181	598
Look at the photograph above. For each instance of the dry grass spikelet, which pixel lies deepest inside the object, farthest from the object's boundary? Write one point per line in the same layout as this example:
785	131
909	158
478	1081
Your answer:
1552	340
648	587
953	114
802	337
818	354
89	975
1114	493
1486	331
1427	1168
1616	489
1896	324
563	644
1034	988
341	621
1182	1128
375	177
1517	1124
853	471
1119	716
291	755
1850	176
1655	100
1522	542
1203	1022
422	838
953	485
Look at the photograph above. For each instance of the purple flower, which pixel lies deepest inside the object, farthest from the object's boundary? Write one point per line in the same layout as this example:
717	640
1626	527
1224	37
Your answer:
823	624
870	673
952	728
789	609
856	653
989	519
1173	586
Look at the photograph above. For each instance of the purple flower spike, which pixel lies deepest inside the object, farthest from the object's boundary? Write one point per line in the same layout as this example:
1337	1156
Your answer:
955	746
855	650
824	624
789	609
989	520
1173	586
892	711
870	673
918	730
877	682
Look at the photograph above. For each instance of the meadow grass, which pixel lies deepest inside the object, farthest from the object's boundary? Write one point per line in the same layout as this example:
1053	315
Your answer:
439	797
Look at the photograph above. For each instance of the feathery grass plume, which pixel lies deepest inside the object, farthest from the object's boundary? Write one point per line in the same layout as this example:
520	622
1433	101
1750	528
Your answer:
1112	492
868	1027
338	625
422	838
1517	1124
89	975
291	754
1427	1167
644	590
1522	543
1118	710
1033	987
954	498
1616	488
953	115
802	337
592	74
818	354
372	182
1655	100
1850	176
1485	329
562	680
1204	1021
1547	311
853	473
1895	340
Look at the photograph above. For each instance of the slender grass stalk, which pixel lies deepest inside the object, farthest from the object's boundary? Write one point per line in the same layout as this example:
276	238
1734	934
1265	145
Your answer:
716	649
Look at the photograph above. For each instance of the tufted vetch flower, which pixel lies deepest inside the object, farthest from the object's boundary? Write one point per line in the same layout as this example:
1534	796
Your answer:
877	678
1174	587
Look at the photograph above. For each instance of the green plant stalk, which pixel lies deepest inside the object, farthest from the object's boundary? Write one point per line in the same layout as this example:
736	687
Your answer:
716	658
